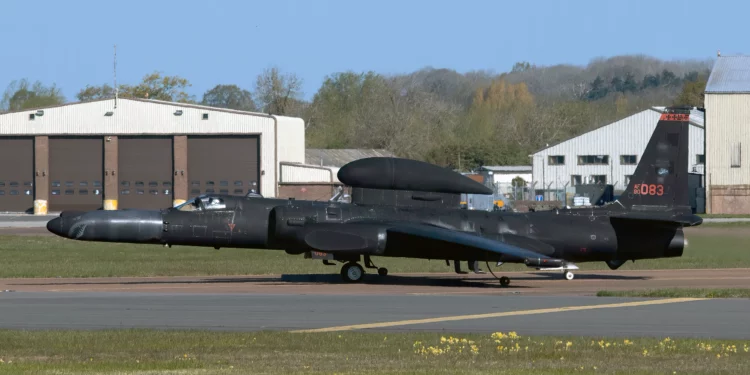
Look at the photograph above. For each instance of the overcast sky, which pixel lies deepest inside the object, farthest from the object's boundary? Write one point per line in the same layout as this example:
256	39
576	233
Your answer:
70	43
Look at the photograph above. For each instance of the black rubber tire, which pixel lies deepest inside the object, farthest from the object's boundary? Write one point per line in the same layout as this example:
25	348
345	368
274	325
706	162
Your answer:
347	269
382	271
504	281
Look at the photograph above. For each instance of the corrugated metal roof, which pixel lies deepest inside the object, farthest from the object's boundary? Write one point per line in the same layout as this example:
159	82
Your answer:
697	118
507	168
341	156
730	75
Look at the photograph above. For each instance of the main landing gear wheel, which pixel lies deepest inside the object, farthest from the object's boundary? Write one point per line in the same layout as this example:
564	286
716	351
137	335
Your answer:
569	275
352	272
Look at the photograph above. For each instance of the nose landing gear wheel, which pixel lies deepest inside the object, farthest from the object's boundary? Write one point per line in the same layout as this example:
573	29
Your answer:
352	272
569	275
382	271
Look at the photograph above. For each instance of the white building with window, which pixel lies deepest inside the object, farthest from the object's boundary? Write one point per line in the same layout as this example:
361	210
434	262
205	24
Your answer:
607	155
727	104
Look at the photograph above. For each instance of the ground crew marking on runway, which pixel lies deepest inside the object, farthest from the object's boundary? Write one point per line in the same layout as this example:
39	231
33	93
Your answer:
497	315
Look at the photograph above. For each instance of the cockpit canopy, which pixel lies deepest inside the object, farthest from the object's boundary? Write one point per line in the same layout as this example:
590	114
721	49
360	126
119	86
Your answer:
207	203
215	202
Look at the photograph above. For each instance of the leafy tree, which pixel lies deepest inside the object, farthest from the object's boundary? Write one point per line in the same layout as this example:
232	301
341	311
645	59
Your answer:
629	84
693	93
20	95
91	93
616	84
152	86
668	78
229	96
159	87
597	90
650	81
277	93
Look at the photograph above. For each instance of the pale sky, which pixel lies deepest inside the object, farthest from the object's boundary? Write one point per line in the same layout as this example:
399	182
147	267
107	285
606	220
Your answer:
70	43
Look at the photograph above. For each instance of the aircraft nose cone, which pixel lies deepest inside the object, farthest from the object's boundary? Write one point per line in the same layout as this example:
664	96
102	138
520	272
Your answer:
56	226
137	226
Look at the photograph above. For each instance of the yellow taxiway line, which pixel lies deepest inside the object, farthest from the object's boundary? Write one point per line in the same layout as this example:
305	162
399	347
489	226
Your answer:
497	315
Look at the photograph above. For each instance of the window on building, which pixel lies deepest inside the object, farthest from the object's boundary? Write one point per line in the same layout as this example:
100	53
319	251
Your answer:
628	159
627	178
700	159
575	180
736	155
599	179
556	160
593	159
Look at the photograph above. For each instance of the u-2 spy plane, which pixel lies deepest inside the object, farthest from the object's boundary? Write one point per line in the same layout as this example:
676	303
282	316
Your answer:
407	208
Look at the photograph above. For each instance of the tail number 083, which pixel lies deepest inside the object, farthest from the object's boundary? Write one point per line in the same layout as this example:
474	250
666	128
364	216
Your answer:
648	189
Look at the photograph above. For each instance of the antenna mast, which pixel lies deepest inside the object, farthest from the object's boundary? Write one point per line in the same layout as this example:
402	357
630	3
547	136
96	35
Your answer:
115	71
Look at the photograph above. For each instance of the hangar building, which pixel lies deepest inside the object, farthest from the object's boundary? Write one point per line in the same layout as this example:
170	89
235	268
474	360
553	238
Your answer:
138	153
317	178
727	101
607	155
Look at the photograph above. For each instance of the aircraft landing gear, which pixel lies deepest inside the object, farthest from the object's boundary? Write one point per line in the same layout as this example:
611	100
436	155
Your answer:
504	281
352	272
569	275
382	271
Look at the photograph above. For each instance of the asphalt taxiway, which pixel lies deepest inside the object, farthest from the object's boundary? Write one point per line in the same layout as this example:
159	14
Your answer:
539	304
529	315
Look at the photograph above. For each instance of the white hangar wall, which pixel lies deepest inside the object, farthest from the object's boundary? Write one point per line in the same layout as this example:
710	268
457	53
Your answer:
628	136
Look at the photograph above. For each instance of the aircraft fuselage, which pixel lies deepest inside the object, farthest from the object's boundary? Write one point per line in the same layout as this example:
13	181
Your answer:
575	235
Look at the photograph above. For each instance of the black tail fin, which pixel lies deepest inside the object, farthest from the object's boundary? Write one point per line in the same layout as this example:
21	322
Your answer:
660	181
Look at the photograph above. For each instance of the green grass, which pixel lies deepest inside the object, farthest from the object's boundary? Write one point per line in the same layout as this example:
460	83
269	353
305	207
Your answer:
721	246
717	216
199	352
679	293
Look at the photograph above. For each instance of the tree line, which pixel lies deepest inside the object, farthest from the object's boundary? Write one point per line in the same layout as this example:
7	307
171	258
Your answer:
457	120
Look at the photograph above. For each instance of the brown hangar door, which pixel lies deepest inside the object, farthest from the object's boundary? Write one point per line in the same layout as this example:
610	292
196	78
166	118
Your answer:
76	166
16	174
145	172
223	165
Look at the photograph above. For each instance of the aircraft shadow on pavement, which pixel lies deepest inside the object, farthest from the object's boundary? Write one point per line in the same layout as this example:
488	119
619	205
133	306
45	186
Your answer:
334	279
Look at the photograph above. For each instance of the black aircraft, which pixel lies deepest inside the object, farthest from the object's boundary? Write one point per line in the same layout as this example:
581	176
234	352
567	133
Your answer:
405	208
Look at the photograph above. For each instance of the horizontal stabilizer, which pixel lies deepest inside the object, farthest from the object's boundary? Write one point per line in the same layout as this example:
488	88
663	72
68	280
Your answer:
679	218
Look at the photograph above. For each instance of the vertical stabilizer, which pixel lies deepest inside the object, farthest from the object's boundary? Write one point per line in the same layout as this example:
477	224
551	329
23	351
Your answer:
660	181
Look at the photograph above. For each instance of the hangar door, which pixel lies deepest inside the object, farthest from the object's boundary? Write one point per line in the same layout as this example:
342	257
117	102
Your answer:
16	174
223	165
145	172
76	166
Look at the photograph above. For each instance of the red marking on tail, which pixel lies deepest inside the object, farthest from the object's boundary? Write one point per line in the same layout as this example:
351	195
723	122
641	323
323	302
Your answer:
674	117
231	226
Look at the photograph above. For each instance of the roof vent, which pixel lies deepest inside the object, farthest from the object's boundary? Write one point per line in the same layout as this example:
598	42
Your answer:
205	116
40	113
109	113
178	112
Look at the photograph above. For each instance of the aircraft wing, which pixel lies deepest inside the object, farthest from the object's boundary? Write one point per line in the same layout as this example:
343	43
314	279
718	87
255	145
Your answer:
372	237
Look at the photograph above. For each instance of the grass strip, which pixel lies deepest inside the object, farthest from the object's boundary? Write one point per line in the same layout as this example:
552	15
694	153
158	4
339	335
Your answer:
679	293
200	352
